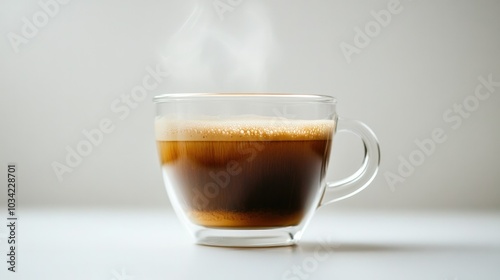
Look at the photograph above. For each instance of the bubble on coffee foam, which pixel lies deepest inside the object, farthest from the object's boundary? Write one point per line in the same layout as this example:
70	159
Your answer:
242	129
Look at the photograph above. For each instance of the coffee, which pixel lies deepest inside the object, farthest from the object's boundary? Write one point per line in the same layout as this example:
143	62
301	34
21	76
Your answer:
245	173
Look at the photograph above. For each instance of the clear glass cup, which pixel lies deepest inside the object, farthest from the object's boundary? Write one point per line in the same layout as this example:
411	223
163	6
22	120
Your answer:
248	169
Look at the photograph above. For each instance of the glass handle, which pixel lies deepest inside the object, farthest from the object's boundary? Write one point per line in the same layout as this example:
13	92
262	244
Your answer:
336	191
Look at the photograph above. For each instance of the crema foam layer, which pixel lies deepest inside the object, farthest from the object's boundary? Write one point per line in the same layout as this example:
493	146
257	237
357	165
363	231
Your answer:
243	129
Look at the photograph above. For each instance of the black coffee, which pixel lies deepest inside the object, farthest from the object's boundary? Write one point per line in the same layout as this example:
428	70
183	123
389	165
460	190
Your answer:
245	174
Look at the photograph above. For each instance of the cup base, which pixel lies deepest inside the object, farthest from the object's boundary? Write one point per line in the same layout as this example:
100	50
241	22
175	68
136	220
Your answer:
246	237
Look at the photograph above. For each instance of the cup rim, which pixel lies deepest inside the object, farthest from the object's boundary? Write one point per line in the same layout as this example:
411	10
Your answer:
283	97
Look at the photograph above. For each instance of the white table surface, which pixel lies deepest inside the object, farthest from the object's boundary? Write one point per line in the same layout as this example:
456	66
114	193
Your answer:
125	244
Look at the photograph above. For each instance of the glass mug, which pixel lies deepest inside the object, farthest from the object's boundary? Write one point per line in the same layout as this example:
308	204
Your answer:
248	169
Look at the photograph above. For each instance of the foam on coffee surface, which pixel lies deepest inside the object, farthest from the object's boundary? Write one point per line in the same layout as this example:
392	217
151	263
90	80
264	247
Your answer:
242	129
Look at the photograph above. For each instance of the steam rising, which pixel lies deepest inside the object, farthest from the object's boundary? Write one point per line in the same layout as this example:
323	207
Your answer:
210	55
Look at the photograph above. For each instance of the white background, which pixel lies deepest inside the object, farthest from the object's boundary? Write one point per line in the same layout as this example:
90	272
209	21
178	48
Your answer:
65	76
429	57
